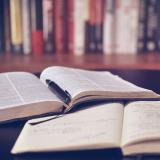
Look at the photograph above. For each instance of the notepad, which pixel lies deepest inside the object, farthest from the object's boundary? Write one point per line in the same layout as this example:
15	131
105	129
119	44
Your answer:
134	128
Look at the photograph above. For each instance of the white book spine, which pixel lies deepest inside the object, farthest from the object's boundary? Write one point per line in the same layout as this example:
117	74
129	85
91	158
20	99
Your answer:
79	27
109	27
26	26
126	26
48	21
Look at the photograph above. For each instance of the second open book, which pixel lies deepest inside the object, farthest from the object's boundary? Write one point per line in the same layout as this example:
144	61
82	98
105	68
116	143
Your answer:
24	96
134	127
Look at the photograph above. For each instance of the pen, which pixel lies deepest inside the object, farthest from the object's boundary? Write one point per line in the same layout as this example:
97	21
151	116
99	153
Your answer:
60	93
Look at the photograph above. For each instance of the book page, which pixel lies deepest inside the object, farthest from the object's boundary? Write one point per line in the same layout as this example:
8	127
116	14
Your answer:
20	88
77	81
97	126
141	121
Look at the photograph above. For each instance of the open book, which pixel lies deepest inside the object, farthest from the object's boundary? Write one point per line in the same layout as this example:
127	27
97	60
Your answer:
23	95
134	128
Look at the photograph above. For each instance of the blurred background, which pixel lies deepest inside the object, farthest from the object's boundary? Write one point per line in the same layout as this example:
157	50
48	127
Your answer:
90	34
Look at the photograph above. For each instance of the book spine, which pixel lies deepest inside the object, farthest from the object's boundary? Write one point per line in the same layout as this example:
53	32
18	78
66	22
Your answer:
79	31
48	28
70	25
92	25
142	27
1	27
109	27
16	25
158	26
65	33
86	34
26	23
127	15
98	36
60	26
7	33
133	27
37	27
152	27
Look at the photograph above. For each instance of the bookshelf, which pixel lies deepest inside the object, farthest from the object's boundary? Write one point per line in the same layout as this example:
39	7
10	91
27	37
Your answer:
10	62
35	63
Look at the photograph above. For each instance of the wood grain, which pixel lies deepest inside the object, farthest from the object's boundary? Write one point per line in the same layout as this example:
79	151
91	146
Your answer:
10	62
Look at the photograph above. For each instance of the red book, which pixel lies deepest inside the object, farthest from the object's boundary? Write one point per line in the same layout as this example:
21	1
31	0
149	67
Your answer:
92	12
37	42
37	27
70	26
60	26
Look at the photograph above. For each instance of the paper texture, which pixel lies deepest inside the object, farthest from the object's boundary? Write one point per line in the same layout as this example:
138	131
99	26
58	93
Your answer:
20	88
141	121
87	83
95	127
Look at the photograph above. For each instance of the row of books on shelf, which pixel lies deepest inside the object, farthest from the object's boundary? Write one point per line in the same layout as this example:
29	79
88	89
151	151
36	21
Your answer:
79	26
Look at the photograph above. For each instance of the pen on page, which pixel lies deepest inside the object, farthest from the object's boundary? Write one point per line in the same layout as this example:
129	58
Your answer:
62	94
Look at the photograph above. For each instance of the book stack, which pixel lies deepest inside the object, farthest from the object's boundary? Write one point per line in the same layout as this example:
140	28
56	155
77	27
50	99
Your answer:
88	110
79	26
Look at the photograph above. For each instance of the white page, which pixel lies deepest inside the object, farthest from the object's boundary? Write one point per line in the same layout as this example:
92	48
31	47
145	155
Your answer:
76	81
141	121
19	88
96	127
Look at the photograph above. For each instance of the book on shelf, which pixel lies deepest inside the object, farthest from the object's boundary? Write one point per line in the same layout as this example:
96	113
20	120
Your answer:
37	27
59	89
70	26
26	26
60	26
48	25
109	27
134	128
126	15
16	25
79	26
1	27
6	24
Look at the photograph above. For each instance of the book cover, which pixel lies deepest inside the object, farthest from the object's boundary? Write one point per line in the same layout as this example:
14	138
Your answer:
26	26
109	27
79	30
70	26
87	26
1	27
126	26
152	26
7	32
60	13
37	27
92	24
99	19
16	25
48	26
158	25
142	27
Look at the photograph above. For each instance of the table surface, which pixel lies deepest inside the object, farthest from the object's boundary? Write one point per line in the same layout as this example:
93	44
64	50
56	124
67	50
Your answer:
9	132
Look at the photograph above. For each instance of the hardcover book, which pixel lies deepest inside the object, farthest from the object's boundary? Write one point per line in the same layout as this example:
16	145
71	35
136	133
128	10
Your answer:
59	89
